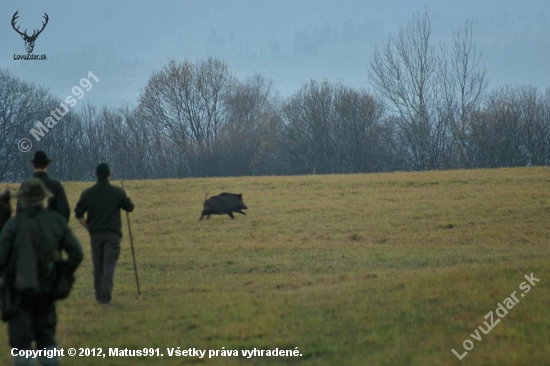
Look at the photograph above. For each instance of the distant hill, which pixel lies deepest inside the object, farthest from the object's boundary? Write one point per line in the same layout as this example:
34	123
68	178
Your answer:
287	41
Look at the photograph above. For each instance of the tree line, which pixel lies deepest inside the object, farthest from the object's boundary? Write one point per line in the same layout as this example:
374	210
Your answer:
429	109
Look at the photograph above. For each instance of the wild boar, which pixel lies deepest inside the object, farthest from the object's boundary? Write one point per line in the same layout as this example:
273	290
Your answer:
223	204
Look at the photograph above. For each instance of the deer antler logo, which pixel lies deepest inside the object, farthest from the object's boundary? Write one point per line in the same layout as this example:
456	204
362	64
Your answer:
29	40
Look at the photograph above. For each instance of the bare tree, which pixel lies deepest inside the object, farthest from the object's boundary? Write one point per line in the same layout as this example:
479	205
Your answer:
63	141
405	73
433	91
332	128
248	136
535	125
356	127
95	140
513	128
463	84
20	108
185	102
309	145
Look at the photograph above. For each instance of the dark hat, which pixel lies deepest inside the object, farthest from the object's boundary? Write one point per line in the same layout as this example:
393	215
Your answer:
41	158
103	169
32	190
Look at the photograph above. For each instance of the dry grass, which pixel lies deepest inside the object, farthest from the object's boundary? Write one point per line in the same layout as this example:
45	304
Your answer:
379	269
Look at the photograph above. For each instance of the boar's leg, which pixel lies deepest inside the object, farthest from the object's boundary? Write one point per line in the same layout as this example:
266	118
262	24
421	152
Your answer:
231	215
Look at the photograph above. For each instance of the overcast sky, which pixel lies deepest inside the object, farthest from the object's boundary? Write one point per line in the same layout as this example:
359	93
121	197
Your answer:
287	41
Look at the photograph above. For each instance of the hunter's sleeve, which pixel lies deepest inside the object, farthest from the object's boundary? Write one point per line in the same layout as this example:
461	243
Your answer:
6	240
62	203
73	248
127	204
81	206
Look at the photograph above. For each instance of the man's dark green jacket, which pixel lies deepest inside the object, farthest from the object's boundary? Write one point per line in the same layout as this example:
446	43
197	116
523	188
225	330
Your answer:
58	202
103	202
34	234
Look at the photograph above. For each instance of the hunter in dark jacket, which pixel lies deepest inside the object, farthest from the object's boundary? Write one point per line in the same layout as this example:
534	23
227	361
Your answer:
102	202
58	202
28	243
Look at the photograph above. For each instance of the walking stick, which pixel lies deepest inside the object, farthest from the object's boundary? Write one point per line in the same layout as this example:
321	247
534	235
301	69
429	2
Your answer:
132	246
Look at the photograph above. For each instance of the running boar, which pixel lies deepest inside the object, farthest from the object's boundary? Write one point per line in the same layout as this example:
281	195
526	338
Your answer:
223	204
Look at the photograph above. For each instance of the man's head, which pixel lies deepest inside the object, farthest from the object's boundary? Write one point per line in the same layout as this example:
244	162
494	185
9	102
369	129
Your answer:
41	161
103	170
32	193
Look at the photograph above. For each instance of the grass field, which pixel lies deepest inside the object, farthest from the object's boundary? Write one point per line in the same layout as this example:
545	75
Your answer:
377	269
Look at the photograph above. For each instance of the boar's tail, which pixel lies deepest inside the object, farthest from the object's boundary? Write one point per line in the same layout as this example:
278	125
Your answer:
206	196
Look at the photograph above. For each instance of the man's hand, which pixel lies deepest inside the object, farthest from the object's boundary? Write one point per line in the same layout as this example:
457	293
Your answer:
126	191
83	222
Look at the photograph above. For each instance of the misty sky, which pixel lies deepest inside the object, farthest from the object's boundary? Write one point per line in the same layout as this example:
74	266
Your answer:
287	41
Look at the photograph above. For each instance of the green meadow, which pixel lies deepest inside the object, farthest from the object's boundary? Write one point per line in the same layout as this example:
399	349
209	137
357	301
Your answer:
370	269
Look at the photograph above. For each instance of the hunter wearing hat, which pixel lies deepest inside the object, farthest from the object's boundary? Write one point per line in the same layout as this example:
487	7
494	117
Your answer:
58	202
102	203
28	243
